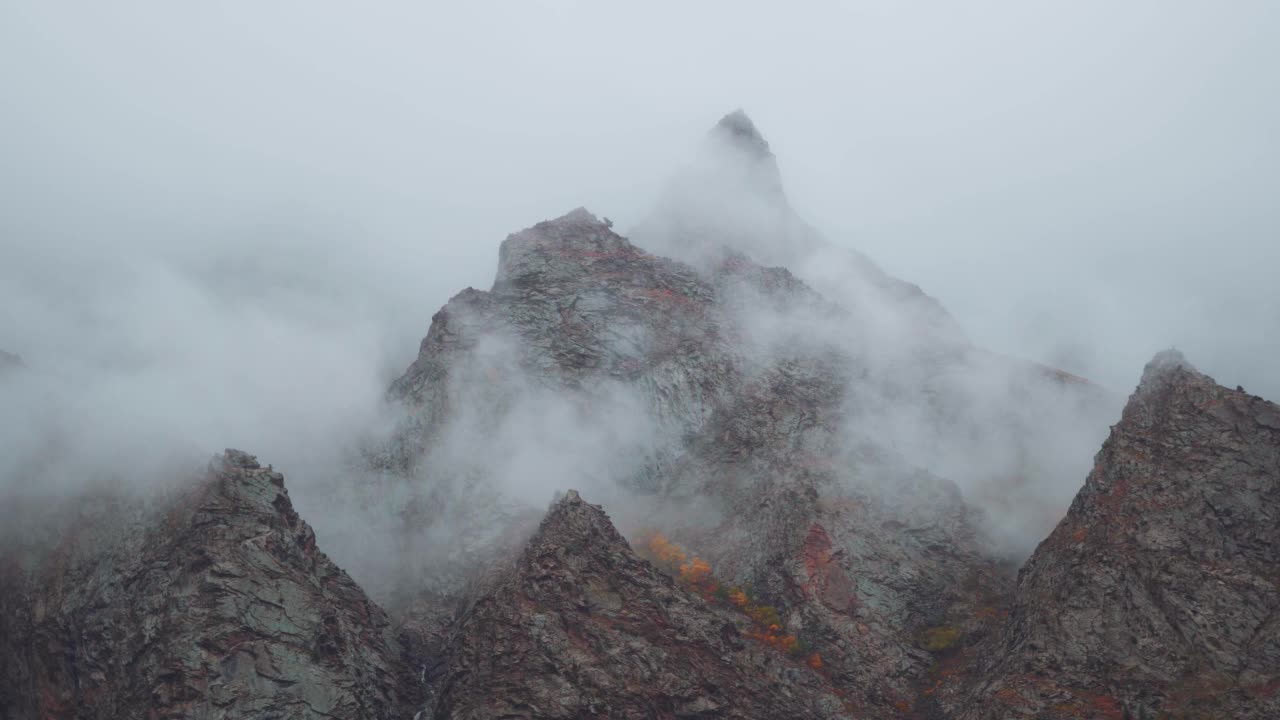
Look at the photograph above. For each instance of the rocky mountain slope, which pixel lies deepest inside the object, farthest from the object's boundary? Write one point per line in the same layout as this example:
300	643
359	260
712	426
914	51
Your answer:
213	602
820	487
1158	595
582	627
752	429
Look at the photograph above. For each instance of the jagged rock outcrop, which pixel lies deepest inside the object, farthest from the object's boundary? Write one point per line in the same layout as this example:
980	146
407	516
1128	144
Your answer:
1158	595
213	602
581	627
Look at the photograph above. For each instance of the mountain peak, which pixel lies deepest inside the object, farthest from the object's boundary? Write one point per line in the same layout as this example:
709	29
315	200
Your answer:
232	458
577	216
1168	359
1164	367
577	234
729	195
739	157
571	518
739	130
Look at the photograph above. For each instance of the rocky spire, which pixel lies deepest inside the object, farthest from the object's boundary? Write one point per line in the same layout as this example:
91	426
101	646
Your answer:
728	196
737	128
743	162
1163	366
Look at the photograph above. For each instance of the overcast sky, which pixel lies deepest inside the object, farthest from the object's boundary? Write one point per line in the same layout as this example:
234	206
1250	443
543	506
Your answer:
1081	183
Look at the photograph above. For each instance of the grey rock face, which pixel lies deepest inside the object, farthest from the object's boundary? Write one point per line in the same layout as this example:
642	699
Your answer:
215	603
581	627
1158	595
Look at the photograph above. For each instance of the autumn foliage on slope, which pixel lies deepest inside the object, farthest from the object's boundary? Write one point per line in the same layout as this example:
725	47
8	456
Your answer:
694	574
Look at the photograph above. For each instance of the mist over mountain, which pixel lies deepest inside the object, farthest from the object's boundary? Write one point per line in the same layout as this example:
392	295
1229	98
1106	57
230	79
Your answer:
1071	183
796	413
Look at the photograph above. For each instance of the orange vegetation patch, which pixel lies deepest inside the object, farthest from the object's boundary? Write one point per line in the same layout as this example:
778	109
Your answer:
694	574
665	552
